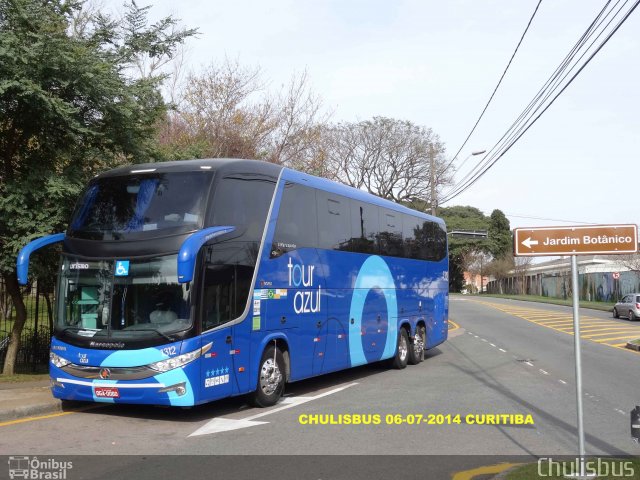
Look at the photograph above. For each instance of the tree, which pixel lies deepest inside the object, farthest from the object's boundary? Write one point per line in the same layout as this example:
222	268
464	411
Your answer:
500	269
521	267
500	240
389	158
464	252
225	111
67	109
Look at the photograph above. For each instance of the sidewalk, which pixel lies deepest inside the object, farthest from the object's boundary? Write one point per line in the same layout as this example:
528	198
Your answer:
25	399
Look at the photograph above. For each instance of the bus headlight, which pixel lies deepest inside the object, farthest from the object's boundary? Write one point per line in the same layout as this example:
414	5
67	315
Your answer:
58	361
175	362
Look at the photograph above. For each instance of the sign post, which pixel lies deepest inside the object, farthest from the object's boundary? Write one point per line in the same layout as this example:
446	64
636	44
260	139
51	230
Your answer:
574	241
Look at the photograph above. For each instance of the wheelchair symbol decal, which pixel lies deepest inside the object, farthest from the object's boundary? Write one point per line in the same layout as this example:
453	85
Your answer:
122	268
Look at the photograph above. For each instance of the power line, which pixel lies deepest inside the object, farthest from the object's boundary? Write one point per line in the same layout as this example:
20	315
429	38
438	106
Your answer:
495	160
528	217
490	159
498	84
595	24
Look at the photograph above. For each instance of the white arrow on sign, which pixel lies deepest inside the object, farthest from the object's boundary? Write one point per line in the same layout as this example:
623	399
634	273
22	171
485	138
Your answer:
528	242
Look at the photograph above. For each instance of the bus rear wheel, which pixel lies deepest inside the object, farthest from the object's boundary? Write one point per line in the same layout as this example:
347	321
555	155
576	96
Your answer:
270	378
416	347
401	358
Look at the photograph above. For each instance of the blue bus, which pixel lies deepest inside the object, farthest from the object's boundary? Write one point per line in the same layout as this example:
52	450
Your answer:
186	282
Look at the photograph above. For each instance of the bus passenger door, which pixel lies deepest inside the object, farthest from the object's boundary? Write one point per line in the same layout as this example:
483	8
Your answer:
225	289
216	371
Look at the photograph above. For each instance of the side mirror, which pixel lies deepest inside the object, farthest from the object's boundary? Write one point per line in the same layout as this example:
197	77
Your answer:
190	248
22	264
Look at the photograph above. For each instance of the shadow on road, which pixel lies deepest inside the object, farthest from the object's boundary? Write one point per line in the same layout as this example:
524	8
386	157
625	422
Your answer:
232	405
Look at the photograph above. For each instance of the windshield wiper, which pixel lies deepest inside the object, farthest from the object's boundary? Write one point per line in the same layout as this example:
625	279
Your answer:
151	330
78	329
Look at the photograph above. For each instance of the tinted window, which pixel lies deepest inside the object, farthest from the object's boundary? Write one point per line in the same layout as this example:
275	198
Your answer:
131	205
297	225
364	227
391	233
227	281
334	224
431	241
411	228
243	201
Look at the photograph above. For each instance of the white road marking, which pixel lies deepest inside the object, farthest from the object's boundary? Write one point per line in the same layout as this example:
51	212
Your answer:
544	372
484	339
220	424
529	363
562	382
621	411
503	350
492	344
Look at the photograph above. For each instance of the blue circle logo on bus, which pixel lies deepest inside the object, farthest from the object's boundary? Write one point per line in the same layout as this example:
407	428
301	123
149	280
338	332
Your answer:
374	273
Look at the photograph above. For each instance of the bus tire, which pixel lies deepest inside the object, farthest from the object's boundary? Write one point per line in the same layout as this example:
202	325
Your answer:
416	346
399	361
271	375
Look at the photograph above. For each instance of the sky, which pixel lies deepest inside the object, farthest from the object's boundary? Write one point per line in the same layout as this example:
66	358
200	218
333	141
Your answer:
436	63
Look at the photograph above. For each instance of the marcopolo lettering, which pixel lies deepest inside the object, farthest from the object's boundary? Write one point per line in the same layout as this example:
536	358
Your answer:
301	276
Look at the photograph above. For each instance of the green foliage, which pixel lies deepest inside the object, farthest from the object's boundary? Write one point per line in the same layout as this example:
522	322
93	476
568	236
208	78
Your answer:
464	218
461	250
500	238
69	106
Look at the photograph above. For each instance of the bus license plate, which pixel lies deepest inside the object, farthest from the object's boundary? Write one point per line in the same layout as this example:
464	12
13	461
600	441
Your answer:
106	392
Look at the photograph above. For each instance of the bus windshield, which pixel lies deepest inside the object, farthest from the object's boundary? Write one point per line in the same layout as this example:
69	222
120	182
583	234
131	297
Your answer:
141	205
122	299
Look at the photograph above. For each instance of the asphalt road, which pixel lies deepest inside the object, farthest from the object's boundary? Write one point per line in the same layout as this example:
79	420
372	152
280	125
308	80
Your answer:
507	357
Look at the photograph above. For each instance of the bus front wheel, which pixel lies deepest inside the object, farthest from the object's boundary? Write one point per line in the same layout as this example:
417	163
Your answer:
401	358
270	378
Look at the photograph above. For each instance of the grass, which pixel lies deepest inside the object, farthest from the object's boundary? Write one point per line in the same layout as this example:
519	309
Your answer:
630	466
30	305
23	377
604	306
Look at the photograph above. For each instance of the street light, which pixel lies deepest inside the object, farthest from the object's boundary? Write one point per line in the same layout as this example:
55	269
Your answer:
432	160
473	154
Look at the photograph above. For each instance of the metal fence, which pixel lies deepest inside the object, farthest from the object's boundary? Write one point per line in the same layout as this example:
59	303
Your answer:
33	352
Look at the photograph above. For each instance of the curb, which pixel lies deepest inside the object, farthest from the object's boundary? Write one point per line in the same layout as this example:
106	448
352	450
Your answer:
30	411
633	346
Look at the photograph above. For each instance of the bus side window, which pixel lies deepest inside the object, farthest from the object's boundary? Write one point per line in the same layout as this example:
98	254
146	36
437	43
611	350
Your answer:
364	227
411	230
297	224
391	233
431	241
334	224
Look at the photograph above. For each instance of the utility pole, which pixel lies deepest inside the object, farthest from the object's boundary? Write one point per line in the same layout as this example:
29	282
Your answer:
432	163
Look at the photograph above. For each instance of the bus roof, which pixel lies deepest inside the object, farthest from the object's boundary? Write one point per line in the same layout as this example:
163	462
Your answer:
351	192
225	165
232	165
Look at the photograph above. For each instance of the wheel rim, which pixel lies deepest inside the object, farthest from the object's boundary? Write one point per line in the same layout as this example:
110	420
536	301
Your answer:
270	377
403	348
418	343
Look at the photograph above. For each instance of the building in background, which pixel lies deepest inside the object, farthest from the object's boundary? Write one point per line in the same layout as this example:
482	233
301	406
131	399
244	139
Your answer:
602	278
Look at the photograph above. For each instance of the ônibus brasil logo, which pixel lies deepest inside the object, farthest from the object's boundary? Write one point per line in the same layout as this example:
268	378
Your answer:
37	469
